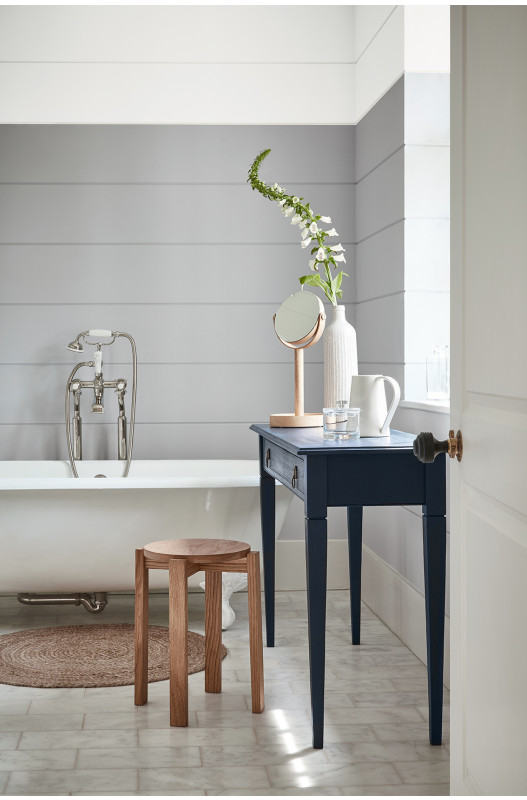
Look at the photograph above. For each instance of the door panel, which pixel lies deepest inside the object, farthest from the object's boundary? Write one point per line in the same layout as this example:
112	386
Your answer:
496	647
489	400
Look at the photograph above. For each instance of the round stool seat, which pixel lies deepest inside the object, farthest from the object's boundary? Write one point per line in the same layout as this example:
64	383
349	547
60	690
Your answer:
209	550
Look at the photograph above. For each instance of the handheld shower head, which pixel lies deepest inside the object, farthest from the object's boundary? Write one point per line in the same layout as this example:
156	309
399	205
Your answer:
76	346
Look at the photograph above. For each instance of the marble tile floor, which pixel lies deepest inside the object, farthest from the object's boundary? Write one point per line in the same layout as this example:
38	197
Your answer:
96	742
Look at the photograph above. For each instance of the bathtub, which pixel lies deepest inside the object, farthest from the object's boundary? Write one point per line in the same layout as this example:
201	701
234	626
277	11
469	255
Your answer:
65	534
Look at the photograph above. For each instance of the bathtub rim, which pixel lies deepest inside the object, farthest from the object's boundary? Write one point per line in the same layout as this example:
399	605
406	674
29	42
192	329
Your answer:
248	476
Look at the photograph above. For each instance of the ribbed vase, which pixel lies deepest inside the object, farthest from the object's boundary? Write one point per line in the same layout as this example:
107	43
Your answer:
340	356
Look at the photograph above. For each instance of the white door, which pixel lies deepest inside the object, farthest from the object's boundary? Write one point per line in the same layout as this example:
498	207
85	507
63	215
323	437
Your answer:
489	401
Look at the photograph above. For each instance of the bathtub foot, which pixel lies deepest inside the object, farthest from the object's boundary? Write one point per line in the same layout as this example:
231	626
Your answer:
94	604
231	582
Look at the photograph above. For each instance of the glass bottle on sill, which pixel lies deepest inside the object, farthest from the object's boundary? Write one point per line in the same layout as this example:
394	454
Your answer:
438	374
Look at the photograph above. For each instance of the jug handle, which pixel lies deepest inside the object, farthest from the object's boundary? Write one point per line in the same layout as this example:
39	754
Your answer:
385	430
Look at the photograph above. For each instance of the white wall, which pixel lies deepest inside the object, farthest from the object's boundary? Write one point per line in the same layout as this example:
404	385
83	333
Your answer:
177	65
392	40
379	53
223	65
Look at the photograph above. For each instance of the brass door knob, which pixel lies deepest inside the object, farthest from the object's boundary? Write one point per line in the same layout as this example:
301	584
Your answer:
426	447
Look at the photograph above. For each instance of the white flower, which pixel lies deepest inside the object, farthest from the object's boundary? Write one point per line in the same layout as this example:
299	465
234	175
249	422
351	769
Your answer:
340	258
332	232
296	219
325	219
278	188
312	264
304	233
321	254
313	228
289	211
296	200
302	225
306	242
337	248
281	202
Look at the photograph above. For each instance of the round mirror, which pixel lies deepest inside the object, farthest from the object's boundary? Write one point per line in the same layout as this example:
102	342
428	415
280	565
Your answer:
299	323
298	319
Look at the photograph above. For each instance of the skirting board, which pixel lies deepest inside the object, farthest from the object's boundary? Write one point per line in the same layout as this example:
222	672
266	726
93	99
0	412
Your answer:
399	605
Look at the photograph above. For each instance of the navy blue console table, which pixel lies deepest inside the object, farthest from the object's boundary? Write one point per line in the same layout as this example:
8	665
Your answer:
353	473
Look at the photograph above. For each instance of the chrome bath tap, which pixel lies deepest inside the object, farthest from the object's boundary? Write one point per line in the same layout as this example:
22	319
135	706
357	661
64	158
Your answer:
74	386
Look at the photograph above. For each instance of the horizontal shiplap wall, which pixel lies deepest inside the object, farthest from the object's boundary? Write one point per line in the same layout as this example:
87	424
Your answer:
399	268
154	230
178	64
379	268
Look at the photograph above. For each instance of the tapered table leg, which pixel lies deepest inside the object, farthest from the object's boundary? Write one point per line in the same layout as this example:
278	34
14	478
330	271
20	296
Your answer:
178	641
267	509
355	566
255	632
141	629
213	585
434	551
316	573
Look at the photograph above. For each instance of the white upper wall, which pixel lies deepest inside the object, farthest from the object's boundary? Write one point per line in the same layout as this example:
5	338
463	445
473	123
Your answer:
427	39
177	64
380	53
231	65
391	40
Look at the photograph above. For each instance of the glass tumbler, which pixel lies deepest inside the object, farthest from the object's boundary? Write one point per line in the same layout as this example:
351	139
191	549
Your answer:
341	422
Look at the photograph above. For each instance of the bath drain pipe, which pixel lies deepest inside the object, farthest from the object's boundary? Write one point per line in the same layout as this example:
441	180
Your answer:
94	606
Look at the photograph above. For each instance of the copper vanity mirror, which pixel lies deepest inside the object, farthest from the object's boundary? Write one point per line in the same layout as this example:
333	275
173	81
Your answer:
299	323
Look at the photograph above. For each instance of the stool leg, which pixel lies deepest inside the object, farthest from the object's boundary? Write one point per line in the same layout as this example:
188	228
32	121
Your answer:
255	632
141	629
213	585
178	644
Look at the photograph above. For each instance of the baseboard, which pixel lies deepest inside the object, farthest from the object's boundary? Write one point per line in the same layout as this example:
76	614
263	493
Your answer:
399	605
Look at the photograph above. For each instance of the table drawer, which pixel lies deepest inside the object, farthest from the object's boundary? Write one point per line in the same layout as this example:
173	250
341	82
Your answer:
289	469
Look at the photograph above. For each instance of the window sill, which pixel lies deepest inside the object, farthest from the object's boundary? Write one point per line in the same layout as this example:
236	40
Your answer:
437	406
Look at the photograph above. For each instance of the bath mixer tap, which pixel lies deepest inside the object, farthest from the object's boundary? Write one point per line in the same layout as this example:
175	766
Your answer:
74	386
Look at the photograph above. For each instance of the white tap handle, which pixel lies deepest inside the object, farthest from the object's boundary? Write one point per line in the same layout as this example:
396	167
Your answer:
97	362
98	332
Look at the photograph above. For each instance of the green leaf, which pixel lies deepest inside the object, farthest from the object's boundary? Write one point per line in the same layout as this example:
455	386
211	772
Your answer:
312	280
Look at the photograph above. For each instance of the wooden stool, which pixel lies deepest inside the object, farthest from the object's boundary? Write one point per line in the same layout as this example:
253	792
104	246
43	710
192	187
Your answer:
182	558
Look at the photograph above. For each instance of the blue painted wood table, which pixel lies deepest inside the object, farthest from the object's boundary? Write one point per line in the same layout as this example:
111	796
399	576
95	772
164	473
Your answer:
353	473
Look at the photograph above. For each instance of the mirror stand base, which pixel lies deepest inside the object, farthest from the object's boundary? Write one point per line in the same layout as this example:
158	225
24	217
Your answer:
296	420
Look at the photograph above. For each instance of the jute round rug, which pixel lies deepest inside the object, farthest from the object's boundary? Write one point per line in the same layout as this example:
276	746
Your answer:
88	656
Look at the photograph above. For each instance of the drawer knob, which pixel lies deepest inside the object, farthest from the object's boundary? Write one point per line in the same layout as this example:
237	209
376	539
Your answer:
294	478
268	457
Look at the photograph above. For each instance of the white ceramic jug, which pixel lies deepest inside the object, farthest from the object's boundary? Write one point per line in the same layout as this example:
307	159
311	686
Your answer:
368	394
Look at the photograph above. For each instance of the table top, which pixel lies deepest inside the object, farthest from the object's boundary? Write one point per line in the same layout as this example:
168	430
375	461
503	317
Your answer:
310	441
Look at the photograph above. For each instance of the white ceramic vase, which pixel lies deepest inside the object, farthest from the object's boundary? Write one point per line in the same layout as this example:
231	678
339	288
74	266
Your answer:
340	356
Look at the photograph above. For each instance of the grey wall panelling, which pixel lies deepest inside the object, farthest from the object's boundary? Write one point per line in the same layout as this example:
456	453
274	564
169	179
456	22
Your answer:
412	112
154	230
